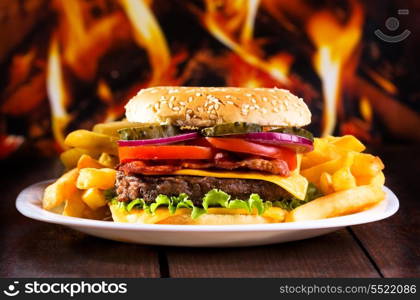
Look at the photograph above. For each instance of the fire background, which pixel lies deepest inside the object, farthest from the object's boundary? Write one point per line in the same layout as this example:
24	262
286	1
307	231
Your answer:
67	65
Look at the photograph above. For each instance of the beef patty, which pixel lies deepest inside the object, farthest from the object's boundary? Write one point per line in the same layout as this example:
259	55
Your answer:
130	187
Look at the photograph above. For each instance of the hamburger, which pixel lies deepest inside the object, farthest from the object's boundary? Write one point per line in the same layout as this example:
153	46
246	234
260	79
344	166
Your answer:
210	155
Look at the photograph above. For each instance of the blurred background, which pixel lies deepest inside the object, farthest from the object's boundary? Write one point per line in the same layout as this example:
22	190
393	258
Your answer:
70	64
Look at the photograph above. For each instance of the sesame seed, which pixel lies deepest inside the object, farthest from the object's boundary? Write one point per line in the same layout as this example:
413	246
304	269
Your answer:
190	99
228	96
189	111
171	105
162	98
253	100
182	103
176	108
276	110
246	106
229	102
198	94
172	98
216	106
249	95
265	99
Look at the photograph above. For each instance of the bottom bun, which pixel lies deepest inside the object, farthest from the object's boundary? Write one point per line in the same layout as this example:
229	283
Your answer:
214	216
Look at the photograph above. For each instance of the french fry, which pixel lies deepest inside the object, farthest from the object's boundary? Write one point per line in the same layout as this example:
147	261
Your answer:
108	161
366	165
57	193
338	204
378	179
323	152
96	178
348	142
70	157
85	139
343	179
94	198
85	161
74	206
325	183
314	173
112	128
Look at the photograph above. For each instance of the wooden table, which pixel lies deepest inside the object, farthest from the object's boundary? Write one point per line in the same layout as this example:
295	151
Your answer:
389	248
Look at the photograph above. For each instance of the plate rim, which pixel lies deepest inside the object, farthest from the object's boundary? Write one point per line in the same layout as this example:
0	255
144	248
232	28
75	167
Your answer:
33	211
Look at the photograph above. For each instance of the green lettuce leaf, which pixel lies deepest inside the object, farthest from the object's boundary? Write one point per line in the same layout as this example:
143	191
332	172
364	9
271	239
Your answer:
239	204
162	200
216	198
197	212
137	203
255	201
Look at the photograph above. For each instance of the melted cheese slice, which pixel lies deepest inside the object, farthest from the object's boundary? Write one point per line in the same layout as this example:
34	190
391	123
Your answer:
295	184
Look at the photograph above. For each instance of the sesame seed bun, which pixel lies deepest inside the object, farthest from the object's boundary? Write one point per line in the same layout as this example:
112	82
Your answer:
208	106
182	216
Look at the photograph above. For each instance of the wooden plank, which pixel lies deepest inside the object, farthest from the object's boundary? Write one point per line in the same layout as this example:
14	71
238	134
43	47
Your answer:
332	255
36	249
394	244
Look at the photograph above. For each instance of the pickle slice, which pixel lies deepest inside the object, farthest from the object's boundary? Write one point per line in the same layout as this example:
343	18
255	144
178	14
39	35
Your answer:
295	131
148	132
231	128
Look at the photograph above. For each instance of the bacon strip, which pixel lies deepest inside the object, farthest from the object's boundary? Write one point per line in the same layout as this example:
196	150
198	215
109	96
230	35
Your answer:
140	167
275	166
222	160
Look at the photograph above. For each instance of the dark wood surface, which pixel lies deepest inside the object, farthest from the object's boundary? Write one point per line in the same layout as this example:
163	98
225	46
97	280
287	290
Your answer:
389	248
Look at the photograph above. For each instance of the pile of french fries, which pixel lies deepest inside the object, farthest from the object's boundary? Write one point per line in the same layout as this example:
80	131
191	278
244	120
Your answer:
350	180
101	141
90	161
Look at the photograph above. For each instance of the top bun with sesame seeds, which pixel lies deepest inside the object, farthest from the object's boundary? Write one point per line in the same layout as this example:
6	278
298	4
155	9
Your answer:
208	106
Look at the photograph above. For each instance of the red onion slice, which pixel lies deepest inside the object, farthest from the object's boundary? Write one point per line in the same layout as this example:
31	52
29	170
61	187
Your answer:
160	141
298	143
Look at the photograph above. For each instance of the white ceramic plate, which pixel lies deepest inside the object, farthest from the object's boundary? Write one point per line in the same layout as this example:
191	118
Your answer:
29	204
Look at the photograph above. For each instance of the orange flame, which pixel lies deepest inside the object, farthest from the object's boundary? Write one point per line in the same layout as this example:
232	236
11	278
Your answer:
57	94
83	45
335	45
383	82
241	18
366	109
147	34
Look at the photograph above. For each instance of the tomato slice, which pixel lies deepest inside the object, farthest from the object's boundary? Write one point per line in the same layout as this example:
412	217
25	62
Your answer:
127	153
243	146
